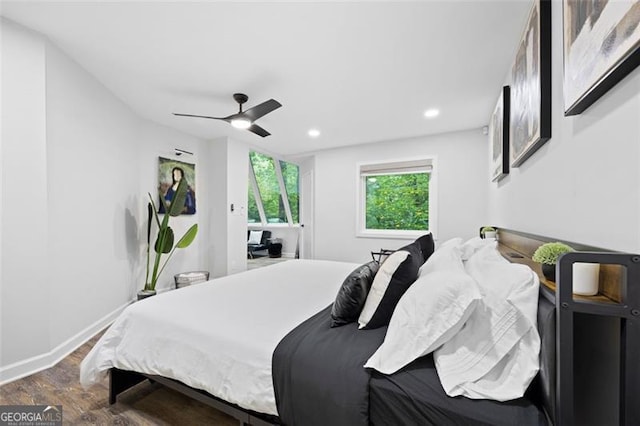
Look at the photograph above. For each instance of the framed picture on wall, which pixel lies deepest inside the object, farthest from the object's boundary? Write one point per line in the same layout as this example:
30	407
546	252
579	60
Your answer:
499	136
530	119
170	173
601	46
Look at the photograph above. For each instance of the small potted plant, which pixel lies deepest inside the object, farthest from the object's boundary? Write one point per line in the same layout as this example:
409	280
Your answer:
547	255
488	232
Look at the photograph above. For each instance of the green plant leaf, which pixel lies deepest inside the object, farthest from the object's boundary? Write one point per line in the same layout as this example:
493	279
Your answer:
188	237
179	198
165	237
149	218
154	209
164	243
550	252
165	204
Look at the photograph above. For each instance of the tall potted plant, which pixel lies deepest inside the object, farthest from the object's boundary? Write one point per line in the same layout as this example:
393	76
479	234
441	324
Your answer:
165	238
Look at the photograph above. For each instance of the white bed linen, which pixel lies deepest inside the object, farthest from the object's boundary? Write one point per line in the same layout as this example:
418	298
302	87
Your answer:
218	336
495	355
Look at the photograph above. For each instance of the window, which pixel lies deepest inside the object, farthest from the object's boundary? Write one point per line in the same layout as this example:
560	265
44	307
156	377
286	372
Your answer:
396	199
291	177
253	214
273	190
268	187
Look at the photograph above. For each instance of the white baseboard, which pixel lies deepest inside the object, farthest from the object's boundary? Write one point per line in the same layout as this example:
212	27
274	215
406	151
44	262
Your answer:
35	364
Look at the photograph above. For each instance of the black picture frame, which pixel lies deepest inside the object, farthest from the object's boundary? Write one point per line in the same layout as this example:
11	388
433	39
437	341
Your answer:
499	136
601	46
530	118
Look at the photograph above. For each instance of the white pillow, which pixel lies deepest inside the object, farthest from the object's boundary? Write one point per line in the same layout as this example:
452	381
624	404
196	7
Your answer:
474	244
379	286
511	281
430	313
446	257
451	242
495	355
255	237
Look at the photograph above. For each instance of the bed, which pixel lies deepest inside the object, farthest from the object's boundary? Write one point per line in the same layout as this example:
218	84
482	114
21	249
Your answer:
218	336
257	345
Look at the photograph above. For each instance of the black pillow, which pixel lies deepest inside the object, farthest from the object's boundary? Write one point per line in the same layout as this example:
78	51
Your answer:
352	294
416	252
395	276
426	245
422	248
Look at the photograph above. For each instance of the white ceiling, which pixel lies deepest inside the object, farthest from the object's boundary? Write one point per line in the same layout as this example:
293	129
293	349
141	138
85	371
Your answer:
358	71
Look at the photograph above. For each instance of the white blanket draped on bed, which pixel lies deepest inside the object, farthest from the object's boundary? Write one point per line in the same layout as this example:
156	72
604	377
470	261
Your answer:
495	355
218	336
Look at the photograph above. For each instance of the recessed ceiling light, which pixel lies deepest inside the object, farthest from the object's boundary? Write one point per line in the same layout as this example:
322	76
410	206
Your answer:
430	113
314	133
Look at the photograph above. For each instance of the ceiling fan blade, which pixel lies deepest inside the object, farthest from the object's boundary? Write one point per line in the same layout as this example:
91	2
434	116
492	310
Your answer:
200	116
262	109
258	130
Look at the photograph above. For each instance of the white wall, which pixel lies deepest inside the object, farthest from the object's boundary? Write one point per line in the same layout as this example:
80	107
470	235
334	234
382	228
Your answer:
217	214
583	185
461	198
77	164
227	235
24	271
92	181
237	190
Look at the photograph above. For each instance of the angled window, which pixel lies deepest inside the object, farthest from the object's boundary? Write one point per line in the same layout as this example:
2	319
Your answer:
269	188
253	214
291	178
396	198
273	190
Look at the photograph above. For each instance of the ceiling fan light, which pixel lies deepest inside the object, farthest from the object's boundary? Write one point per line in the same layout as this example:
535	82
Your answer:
432	113
241	123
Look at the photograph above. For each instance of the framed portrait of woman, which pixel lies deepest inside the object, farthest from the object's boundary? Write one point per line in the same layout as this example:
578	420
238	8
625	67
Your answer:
170	173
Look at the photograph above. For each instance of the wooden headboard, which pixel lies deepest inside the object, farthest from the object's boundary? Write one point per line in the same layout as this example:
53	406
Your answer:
597	337
518	247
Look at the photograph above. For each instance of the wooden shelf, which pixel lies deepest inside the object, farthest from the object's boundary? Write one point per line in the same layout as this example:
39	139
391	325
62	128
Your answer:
597	337
515	256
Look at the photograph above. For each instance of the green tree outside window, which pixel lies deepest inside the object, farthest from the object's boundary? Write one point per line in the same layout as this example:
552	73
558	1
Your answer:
397	201
291	174
264	169
253	214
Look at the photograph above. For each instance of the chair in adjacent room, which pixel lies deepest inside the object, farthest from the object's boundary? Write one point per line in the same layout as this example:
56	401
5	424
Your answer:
257	240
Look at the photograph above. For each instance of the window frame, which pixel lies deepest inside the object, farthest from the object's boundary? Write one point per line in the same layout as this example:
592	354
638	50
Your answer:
388	167
256	196
283	187
253	183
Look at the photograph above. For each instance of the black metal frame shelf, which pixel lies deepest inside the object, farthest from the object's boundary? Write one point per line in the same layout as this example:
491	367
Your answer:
627	311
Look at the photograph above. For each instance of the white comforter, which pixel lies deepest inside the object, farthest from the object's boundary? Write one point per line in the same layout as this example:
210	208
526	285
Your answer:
218	336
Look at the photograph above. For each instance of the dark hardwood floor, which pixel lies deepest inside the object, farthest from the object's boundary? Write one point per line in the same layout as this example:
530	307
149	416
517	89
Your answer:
145	404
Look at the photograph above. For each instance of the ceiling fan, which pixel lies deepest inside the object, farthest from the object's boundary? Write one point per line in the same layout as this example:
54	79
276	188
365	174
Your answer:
245	119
